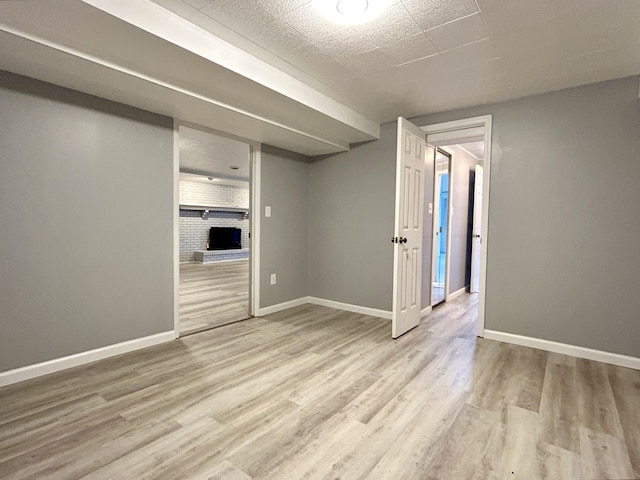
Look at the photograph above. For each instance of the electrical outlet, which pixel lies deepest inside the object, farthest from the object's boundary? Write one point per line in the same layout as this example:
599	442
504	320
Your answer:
273	279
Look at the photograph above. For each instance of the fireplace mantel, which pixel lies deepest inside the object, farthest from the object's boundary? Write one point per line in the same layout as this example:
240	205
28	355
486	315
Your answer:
214	208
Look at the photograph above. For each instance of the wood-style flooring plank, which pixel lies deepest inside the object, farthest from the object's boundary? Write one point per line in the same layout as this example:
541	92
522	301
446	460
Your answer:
559	415
213	294
557	462
625	386
406	448
317	393
222	471
520	454
603	456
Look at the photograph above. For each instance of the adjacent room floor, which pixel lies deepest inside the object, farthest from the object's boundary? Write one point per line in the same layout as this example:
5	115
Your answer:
213	294
314	392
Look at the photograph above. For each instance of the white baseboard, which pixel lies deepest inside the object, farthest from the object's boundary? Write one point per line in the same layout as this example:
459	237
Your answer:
566	349
425	311
282	306
374	312
456	294
32	371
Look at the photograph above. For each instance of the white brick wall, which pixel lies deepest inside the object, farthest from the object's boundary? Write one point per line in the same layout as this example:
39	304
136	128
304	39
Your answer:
194	193
194	230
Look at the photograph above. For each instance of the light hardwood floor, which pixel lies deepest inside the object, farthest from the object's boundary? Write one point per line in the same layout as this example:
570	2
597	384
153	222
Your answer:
213	294
314	392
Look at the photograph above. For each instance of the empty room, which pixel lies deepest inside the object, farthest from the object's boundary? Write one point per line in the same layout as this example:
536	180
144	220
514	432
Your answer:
279	239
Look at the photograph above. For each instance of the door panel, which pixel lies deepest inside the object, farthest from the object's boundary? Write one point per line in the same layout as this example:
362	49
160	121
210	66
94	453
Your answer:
477	230
406	186
407	238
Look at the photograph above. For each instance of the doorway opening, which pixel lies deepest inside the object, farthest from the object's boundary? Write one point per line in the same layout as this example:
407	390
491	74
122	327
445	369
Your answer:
440	257
214	244
460	213
414	247
456	240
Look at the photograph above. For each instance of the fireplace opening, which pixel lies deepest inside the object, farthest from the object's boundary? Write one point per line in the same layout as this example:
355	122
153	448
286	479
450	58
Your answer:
224	238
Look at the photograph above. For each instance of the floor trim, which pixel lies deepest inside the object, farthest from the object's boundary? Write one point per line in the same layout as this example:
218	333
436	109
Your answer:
426	311
457	293
282	306
374	312
566	349
39	369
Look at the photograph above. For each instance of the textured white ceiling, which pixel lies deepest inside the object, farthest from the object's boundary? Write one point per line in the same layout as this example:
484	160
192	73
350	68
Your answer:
191	177
213	155
423	56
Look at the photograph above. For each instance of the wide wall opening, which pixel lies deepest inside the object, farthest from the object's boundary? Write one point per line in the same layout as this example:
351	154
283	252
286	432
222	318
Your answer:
214	230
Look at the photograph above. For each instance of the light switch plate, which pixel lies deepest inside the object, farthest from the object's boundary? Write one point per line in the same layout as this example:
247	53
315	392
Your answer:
267	211
430	208
273	279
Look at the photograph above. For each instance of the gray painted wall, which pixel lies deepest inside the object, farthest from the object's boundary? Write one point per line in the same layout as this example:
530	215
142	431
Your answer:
563	225
462	165
564	230
86	205
564	234
351	209
284	243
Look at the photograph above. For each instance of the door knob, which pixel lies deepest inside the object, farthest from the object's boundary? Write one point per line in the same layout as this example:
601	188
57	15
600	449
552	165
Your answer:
403	240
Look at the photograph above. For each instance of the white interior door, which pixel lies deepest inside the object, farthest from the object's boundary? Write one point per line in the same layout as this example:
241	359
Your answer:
407	239
477	230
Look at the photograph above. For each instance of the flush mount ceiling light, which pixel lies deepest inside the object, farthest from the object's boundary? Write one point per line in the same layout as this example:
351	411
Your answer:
352	8
351	12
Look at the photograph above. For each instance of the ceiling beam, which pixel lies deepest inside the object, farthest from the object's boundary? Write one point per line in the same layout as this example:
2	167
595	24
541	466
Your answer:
138	53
